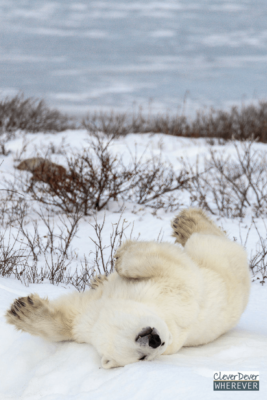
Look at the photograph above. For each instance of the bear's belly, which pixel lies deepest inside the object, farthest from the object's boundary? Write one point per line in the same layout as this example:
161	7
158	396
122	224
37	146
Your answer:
220	309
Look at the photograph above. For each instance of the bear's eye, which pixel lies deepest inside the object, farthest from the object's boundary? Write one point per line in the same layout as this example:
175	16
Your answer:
142	358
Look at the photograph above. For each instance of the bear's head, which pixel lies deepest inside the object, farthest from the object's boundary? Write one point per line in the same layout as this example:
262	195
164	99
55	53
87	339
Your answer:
127	331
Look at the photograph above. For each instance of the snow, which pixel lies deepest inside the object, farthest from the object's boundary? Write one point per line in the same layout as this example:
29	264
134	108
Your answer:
32	369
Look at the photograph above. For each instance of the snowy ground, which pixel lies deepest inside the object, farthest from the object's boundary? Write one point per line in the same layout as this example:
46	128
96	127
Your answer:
31	368
97	54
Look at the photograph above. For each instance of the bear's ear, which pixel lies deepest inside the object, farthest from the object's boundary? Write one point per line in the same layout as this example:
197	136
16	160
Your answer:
108	363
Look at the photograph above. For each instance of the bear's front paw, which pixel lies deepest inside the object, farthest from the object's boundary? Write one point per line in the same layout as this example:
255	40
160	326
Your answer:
121	266
128	260
118	267
128	269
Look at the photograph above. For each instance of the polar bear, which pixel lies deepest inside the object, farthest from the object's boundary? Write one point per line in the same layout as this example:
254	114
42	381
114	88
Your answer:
161	297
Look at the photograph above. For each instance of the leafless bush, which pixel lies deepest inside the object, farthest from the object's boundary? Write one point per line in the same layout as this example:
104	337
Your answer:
13	207
118	231
34	115
32	257
154	181
21	256
101	263
57	149
94	177
120	124
3	149
111	124
258	259
258	256
97	176
229	185
13	257
240	123
31	115
55	250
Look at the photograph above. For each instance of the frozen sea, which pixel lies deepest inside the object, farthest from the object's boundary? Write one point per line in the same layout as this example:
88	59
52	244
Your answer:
82	55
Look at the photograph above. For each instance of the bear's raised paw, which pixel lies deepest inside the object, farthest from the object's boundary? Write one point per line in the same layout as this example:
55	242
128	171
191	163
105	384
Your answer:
193	220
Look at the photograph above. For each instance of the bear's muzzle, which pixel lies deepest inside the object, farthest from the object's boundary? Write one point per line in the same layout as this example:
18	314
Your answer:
149	336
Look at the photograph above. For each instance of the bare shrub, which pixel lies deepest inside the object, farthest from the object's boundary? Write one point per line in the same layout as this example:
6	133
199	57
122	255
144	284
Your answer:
155	180
101	264
94	177
121	124
32	257
55	250
13	207
13	255
258	259
97	176
21	256
238	122
34	115
229	185
258	256
111	124
31	115
56	149
3	150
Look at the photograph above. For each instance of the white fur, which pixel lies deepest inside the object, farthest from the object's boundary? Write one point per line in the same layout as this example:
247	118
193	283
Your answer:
191	296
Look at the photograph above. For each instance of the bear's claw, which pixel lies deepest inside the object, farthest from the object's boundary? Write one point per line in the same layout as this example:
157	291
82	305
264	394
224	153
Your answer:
97	281
192	220
24	310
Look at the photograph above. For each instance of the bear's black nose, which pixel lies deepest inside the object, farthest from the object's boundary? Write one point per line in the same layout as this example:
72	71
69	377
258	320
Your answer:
149	336
154	341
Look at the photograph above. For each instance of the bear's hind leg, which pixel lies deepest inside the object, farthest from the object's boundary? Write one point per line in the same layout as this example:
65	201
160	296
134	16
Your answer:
193	220
98	281
38	317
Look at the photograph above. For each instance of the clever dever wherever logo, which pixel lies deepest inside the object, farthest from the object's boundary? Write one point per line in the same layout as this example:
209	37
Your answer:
236	380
